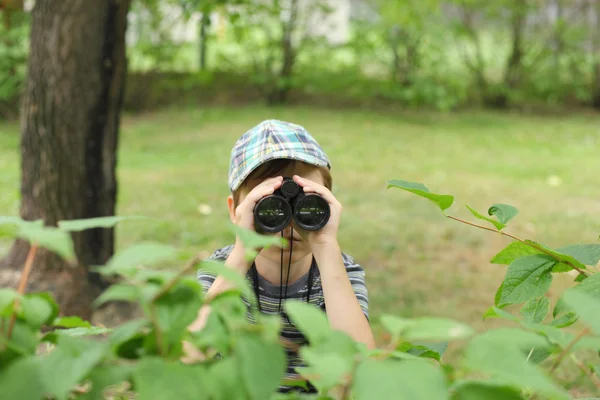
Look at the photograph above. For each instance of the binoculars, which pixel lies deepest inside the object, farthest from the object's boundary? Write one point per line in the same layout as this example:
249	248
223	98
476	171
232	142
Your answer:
273	213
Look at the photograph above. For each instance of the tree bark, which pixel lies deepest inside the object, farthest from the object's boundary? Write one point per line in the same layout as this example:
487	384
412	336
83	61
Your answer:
514	64
282	88
204	21
69	131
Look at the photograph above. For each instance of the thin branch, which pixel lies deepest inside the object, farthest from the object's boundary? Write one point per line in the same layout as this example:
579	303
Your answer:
184	271
347	385
595	379
21	287
541	249
159	336
566	350
165	289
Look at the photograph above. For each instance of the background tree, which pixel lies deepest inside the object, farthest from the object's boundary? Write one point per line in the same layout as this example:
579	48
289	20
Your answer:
69	134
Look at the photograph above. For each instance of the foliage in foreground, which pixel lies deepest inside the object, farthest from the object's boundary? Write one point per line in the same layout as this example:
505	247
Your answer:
142	358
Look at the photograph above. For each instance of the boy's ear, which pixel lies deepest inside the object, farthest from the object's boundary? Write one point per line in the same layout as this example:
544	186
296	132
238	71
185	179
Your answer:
231	207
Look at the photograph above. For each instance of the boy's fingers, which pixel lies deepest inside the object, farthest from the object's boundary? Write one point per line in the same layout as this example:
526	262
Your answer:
322	191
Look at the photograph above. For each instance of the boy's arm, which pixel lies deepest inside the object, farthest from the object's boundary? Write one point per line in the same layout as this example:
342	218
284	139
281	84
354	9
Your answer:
237	262
343	309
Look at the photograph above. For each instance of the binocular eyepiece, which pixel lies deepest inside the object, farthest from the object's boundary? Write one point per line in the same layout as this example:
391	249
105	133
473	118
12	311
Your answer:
273	213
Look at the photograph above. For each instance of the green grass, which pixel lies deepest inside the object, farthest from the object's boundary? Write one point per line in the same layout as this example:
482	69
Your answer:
417	261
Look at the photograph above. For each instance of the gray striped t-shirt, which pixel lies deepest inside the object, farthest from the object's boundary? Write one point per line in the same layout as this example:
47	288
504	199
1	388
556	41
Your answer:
269	299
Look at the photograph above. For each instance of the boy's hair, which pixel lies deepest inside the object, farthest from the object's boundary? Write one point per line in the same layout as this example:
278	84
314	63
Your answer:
273	168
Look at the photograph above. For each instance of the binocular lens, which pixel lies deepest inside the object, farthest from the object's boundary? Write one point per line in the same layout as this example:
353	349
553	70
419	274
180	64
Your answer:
274	213
311	212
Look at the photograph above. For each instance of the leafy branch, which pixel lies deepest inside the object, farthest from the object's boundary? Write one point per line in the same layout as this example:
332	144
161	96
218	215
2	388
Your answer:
528	243
568	348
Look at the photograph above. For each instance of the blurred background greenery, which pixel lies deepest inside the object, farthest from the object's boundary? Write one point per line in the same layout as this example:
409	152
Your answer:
492	101
442	55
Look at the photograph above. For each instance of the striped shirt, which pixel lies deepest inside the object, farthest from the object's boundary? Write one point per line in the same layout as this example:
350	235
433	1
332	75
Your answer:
269	300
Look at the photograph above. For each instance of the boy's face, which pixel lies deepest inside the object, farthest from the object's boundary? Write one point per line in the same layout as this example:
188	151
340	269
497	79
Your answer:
300	247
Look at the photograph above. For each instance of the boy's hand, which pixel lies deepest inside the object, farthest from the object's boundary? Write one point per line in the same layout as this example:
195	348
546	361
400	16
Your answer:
244	213
328	234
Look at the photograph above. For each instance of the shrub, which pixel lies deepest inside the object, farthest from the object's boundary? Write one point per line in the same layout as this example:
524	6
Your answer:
246	360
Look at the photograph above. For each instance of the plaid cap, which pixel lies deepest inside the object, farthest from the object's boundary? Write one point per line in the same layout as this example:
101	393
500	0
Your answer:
272	139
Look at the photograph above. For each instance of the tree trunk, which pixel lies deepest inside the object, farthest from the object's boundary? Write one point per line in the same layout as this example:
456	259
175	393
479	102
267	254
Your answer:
69	130
204	21
283	85
514	64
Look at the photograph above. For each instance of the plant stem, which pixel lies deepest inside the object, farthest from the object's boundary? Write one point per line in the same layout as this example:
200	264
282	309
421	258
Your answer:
566	350
595	379
21	287
348	384
520	240
185	270
164	290
158	332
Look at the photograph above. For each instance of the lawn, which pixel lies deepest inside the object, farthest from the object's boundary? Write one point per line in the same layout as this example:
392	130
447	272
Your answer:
417	261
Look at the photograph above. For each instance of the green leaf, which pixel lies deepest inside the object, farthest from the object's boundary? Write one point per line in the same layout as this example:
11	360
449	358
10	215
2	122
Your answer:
526	277
591	286
479	390
223	380
214	335
76	332
503	212
443	201
418	351
103	377
253	241
128	261
309	319
22	380
118	292
406	379
588	254
218	268
77	225
586	307
497	224
536	309
561	337
36	311
9	226
564	259
395	325
7	298
566	320
430	328
23	342
71	322
501	357
175	311
69	363
49	238
127	340
513	251
513	337
496	312
325	370
154	377
262	365
425	328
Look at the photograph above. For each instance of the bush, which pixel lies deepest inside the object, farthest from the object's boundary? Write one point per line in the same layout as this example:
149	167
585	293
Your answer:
246	360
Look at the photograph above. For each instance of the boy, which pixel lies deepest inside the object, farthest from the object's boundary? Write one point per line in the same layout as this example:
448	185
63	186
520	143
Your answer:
313	266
